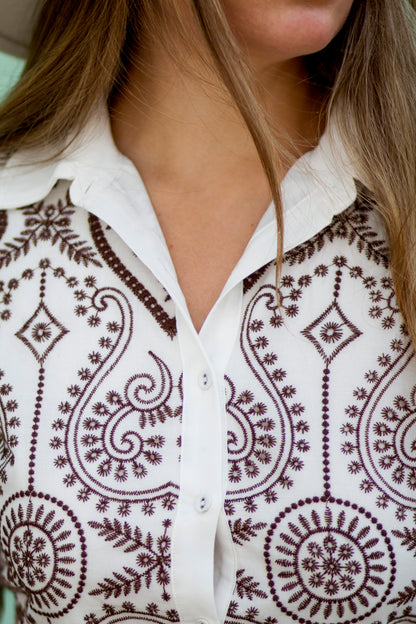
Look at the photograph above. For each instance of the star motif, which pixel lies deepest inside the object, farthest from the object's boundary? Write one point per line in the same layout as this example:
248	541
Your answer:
41	332
331	332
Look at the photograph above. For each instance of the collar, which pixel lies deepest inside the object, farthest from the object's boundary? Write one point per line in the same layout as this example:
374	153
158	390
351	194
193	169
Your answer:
29	175
317	187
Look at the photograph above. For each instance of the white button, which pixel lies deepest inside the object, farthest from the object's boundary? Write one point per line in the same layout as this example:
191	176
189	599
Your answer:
205	380
202	504
202	621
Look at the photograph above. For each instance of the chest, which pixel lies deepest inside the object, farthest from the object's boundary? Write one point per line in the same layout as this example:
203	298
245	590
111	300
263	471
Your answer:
146	480
206	235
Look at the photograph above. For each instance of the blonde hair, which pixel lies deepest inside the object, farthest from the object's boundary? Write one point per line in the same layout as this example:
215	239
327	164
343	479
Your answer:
81	50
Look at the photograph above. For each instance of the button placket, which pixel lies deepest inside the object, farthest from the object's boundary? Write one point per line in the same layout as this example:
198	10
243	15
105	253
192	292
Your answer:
199	501
202	504
205	380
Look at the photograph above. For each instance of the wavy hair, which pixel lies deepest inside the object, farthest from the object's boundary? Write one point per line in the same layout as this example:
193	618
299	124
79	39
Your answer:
81	51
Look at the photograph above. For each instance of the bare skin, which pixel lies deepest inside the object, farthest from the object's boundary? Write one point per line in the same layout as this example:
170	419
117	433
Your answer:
193	151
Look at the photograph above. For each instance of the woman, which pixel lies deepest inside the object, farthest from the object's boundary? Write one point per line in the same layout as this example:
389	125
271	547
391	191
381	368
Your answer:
182	440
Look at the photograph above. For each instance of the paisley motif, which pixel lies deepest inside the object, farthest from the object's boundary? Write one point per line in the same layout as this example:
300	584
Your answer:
110	435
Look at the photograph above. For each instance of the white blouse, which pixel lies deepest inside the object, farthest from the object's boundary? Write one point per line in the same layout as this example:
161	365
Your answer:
262	471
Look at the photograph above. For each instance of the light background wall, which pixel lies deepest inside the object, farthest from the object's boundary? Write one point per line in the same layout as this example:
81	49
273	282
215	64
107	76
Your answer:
10	69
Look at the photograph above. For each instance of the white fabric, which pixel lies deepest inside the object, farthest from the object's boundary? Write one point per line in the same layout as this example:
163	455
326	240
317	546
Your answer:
210	564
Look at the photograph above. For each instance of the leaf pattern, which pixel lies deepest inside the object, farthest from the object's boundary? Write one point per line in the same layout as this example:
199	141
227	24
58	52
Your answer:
247	587
408	537
407	595
352	225
49	222
243	531
151	562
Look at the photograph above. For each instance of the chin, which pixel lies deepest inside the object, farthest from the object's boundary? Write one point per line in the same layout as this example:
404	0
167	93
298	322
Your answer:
285	29
318	29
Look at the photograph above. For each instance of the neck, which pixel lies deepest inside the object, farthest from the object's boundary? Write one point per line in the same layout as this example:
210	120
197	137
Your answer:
176	124
199	164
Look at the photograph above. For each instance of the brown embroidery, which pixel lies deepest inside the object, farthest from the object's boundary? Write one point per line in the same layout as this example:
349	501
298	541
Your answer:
407	595
129	614
252	279
49	222
354	226
332	561
9	423
103	428
42	330
167	323
45	549
3	222
407	536
152	559
407	616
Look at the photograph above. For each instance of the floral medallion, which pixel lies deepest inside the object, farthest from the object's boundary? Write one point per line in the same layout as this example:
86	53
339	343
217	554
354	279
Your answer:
328	560
44	547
